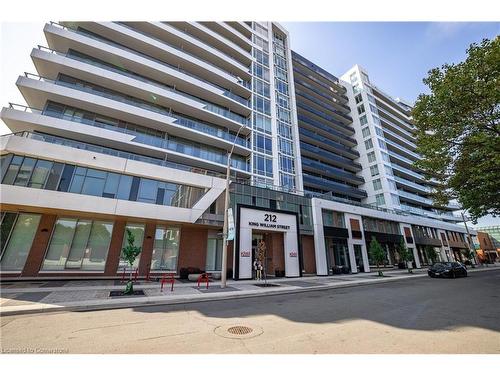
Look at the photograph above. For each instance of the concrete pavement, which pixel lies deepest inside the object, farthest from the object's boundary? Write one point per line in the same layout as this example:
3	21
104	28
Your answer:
50	296
412	315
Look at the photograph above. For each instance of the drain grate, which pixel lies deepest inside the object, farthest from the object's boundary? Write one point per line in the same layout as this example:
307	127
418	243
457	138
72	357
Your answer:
239	330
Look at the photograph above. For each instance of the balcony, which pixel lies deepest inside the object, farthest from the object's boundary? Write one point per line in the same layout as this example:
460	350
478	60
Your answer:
401	125
412	184
329	98
328	157
328	130
415	197
347	130
335	147
324	184
328	88
431	214
329	171
300	93
186	57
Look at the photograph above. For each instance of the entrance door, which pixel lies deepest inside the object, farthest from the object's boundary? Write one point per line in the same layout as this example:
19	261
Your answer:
337	253
359	258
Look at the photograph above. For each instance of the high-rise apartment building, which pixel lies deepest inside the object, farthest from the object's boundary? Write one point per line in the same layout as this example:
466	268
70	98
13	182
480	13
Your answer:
129	126
327	137
386	141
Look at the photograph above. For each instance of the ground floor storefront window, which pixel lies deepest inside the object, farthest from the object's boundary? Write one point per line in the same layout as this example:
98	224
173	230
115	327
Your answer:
337	254
78	244
165	249
17	234
214	252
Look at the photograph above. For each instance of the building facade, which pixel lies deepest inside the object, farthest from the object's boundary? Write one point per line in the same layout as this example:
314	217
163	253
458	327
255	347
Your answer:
130	126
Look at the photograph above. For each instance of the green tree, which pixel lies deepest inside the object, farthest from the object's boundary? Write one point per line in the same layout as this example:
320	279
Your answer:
130	252
431	253
458	130
377	253
405	254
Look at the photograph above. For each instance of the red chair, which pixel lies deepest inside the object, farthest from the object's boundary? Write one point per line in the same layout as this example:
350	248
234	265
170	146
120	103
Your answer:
168	278
204	277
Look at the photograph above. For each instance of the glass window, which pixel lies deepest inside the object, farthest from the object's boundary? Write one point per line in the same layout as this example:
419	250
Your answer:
281	86
262	123
18	240
380	199
262	105
147	190
287	181
392	184
165	249
284	130
263	165
361	109
374	170
214	252
368	144
78	179
263	143
388	170
371	157
286	146
363	120
261	72
97	246
94	182
365	131
382	144
111	185
124	187
376	120
379	131
54	176
282	100
138	232
377	185
40	173
261	87
358	98
261	43
281	73
261	57
24	173
287	164
395	199
78	244
385	156
66	177
12	170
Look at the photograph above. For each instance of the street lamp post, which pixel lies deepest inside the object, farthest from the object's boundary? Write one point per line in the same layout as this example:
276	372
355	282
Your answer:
223	276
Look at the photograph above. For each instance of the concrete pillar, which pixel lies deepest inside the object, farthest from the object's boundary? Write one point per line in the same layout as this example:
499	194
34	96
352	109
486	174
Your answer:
352	256
364	254
319	239
415	256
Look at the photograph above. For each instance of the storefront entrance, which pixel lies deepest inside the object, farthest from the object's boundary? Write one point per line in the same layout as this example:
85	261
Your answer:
337	255
274	254
279	232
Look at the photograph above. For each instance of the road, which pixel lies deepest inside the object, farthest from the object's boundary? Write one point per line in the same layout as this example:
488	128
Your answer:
419	315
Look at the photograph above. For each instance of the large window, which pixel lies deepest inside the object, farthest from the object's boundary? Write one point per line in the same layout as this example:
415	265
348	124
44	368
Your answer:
49	175
262	123
214	252
262	105
137	231
262	143
80	244
165	249
263	165
333	219
17	234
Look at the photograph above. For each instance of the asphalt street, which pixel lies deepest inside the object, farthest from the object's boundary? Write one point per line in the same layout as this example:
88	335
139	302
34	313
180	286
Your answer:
420	315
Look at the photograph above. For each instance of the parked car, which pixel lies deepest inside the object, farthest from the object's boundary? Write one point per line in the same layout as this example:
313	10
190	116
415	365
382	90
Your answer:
447	269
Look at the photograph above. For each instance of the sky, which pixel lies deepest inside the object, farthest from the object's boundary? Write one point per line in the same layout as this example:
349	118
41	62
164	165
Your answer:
397	55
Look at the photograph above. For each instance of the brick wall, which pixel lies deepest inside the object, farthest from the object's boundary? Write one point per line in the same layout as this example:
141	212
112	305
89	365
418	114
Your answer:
39	246
308	254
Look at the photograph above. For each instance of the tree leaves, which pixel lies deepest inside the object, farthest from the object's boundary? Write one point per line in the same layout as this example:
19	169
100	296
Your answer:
458	130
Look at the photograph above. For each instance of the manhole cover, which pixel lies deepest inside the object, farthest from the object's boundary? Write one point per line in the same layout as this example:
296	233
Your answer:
238	331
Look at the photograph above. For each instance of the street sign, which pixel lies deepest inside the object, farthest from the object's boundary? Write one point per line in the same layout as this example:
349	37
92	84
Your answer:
230	224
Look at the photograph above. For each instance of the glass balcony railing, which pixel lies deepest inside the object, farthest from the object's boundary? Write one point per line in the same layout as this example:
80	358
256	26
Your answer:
325	184
131	100
407	171
326	128
402	148
329	142
109	151
415	197
413	184
329	155
332	171
120	46
323	105
401	139
320	93
325	117
174	144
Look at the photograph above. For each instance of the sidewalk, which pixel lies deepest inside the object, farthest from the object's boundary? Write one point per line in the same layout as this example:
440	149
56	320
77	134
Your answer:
60	295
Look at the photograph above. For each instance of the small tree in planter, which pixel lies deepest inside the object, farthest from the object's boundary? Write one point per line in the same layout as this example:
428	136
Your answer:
377	253
405	255
431	253
469	254
130	252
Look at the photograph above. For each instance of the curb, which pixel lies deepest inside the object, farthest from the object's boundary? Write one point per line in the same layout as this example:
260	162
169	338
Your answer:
98	305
